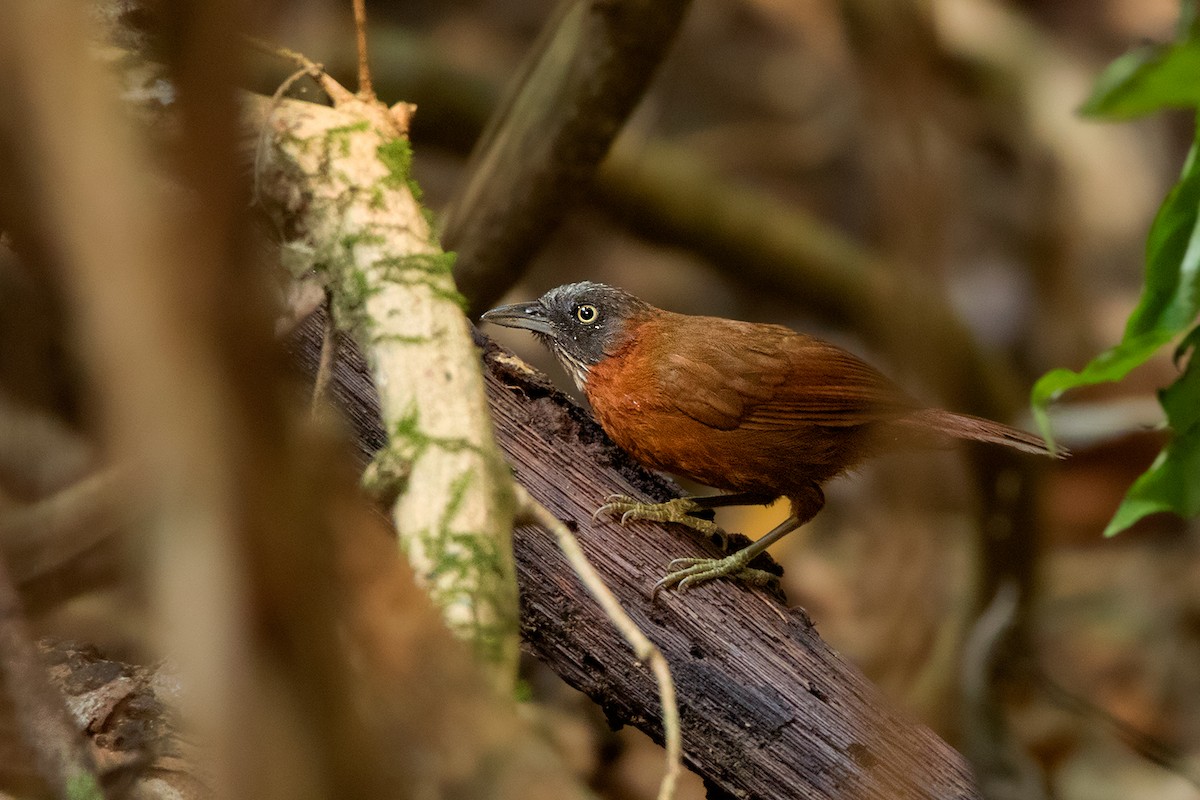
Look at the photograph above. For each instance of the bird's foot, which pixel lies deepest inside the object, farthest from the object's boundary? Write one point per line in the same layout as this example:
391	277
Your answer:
690	571
678	511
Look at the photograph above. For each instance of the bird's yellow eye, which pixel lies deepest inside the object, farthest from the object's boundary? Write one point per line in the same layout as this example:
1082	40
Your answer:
587	314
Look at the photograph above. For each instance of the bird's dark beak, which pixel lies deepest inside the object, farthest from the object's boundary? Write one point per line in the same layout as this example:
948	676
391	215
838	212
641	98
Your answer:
530	316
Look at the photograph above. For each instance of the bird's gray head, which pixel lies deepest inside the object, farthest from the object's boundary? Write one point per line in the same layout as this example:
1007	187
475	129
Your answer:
581	323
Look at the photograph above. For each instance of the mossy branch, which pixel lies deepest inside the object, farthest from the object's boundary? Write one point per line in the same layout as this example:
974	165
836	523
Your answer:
339	178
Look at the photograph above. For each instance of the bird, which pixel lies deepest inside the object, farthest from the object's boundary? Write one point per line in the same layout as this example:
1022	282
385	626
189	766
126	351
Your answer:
755	410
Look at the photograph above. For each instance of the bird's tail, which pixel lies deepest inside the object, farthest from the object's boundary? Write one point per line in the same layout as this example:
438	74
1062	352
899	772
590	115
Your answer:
965	426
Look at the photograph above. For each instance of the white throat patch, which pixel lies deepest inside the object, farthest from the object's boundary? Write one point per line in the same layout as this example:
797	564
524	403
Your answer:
576	369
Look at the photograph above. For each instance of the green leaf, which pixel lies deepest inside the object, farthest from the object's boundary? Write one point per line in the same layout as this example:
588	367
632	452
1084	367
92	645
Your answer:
1181	400
1111	365
1173	482
1171	296
1169	303
1169	485
1147	79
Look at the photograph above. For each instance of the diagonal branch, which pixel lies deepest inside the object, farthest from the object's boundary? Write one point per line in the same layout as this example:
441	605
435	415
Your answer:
533	512
539	151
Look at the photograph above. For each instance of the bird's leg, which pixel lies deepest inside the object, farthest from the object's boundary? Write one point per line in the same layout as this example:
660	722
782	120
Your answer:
691	571
680	510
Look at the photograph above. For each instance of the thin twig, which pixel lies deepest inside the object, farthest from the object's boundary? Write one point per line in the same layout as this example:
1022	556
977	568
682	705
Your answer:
337	93
529	510
365	89
328	351
264	136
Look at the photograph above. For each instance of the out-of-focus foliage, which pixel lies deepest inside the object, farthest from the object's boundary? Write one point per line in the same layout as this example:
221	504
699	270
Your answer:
1149	78
1146	80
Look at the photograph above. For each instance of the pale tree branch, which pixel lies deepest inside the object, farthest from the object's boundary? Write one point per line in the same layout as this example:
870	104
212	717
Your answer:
338	178
529	511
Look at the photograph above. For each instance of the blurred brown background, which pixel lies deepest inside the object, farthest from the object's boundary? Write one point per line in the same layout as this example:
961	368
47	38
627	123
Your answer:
934	147
941	137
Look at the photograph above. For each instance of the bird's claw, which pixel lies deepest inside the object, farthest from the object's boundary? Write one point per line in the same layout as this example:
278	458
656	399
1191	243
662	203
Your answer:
616	504
688	572
677	511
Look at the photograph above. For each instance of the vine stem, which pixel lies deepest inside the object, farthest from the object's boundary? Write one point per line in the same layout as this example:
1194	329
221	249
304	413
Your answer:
530	511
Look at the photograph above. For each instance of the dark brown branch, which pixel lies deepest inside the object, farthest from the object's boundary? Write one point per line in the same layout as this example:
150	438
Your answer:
767	709
1002	766
582	80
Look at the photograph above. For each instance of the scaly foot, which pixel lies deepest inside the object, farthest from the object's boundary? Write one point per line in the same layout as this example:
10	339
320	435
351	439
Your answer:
678	511
690	571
